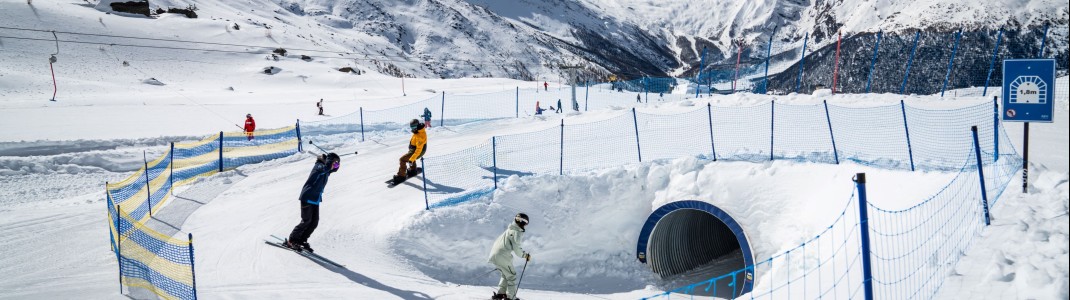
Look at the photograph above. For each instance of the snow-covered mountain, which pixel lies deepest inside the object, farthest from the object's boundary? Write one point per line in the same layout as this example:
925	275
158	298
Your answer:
525	39
534	39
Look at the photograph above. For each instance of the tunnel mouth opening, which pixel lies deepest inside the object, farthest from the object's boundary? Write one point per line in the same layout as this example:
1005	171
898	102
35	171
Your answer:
692	241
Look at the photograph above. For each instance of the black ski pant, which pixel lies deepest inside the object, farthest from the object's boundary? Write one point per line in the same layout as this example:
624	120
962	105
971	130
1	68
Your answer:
310	218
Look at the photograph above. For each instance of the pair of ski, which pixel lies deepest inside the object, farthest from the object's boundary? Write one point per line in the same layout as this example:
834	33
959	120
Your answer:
280	242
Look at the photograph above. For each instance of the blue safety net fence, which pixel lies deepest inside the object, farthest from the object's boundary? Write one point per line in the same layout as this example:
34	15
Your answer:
899	137
457	109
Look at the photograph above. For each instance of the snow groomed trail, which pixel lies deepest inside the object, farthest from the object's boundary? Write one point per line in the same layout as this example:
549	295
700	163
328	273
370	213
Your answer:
443	244
396	250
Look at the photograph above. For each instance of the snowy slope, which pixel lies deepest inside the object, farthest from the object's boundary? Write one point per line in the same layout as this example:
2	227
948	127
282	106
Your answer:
56	156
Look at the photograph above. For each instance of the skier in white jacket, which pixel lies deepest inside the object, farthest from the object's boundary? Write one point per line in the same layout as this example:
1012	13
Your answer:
501	255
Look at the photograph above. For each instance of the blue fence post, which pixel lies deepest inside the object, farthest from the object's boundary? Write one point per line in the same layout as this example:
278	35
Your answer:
361	123
913	50
873	61
995	129
297	127
802	62
832	137
981	175
863	225
910	151
585	95
518	102
148	186
494	159
768	55
772	122
951	62
992	62
638	148
561	167
220	151
698	74
192	270
1043	39
709	115
442	111
424	168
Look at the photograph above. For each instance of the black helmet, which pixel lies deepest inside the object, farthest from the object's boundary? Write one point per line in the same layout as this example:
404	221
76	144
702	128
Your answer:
334	161
521	219
415	125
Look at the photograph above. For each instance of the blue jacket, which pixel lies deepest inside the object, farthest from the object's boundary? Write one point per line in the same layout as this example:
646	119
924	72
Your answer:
427	114
312	192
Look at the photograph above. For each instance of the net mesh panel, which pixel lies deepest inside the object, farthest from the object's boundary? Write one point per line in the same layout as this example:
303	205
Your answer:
153	264
399	117
530	153
891	61
937	131
742	133
800	135
241	148
479	107
674	136
600	144
913	249
458	177
930	63
872	136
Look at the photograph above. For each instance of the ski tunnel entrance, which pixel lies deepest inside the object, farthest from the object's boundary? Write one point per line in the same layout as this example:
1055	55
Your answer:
697	239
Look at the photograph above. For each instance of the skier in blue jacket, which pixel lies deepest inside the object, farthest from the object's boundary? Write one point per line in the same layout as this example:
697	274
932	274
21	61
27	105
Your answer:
311	197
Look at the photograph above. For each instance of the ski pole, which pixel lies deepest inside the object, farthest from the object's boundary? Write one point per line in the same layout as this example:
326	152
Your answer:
317	146
325	151
518	281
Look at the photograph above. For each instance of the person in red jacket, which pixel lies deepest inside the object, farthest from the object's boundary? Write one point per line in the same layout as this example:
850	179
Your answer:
545	86
250	125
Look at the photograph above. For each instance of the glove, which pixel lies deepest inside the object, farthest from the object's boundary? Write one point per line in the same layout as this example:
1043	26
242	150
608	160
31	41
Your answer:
527	256
322	158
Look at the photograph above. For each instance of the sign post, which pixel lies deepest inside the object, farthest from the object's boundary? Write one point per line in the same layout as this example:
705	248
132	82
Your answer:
1028	87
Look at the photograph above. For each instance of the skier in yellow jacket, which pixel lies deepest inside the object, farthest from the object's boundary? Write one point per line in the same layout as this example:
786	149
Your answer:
417	148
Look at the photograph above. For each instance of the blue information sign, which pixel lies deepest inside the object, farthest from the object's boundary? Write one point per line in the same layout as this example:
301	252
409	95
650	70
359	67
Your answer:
1028	88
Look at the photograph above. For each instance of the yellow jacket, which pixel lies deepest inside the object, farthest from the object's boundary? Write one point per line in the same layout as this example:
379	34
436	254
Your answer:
418	142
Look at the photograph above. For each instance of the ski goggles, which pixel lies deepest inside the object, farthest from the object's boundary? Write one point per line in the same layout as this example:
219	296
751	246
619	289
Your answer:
413	126
335	165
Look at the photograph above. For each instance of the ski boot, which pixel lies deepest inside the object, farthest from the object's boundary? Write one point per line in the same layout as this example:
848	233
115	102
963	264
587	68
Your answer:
497	296
306	247
291	245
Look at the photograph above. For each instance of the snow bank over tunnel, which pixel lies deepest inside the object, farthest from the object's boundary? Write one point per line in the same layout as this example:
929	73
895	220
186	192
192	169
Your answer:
584	227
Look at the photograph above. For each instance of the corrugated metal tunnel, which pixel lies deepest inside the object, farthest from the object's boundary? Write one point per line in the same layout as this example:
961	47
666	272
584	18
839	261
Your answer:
696	239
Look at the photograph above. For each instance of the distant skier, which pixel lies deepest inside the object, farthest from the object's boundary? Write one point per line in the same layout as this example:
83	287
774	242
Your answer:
538	110
250	126
545	86
427	118
558	106
311	197
320	106
575	105
661	96
501	255
638	99
417	148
